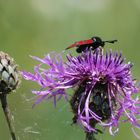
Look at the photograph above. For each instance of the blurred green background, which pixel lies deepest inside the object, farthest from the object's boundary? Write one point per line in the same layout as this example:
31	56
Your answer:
37	27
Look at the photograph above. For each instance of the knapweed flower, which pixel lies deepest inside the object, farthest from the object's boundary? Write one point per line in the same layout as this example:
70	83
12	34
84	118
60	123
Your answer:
103	83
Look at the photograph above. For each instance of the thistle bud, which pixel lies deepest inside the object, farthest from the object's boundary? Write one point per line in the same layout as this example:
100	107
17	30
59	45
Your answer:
9	75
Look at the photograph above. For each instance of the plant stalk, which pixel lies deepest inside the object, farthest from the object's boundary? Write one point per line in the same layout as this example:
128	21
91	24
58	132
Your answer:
90	136
8	115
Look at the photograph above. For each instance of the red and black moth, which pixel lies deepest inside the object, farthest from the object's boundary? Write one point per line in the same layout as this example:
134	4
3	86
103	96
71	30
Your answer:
92	43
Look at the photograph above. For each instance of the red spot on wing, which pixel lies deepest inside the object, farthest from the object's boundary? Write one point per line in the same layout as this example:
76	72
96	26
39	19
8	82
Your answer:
83	42
89	41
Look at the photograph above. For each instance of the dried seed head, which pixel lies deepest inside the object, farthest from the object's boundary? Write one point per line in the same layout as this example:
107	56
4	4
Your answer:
9	75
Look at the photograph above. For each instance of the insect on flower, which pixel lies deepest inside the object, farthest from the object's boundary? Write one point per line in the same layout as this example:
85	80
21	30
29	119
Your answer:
92	43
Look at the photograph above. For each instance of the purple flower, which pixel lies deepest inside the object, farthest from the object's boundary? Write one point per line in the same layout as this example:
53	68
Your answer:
104	88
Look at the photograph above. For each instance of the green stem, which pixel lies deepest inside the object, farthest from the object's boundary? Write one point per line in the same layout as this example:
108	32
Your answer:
7	114
90	136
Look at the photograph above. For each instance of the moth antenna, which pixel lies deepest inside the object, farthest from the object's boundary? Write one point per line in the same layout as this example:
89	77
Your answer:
110	41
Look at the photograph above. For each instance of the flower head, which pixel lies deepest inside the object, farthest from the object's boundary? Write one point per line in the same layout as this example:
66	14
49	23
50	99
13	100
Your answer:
9	74
104	88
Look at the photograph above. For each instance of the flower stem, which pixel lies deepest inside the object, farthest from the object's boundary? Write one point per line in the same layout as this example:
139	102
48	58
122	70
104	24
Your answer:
7	114
90	136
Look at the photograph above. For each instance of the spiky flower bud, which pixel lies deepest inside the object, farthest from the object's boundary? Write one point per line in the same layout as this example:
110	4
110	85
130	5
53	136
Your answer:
9	75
